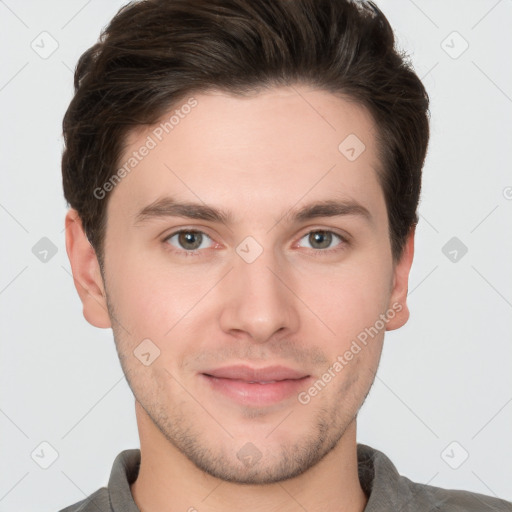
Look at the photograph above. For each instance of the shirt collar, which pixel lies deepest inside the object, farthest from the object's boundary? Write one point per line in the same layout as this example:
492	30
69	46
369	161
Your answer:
379	478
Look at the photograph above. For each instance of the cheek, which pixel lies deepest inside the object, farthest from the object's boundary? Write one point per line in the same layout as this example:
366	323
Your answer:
349	297
153	300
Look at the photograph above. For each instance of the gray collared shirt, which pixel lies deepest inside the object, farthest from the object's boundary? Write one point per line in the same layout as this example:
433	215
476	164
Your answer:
386	489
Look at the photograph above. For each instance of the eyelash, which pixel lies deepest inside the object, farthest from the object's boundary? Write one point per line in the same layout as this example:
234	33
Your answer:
196	252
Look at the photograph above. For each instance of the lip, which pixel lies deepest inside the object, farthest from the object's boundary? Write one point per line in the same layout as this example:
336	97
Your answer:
249	374
256	386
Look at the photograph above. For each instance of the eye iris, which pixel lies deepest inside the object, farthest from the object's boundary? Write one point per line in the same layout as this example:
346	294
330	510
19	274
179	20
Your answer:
324	238
187	237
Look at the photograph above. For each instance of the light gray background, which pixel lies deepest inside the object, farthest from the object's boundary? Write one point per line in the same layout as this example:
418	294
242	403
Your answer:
446	376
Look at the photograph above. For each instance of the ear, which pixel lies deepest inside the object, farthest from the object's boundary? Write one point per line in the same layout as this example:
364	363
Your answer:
398	299
86	272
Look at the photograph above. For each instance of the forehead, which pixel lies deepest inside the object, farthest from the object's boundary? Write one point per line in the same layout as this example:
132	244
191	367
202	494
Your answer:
268	150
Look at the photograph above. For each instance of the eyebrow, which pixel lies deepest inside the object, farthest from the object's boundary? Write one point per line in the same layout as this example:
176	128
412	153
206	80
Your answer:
170	207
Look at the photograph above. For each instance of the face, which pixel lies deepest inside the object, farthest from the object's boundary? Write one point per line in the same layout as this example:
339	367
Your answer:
251	325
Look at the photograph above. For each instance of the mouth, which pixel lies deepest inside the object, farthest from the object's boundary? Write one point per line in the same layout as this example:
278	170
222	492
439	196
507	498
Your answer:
256	386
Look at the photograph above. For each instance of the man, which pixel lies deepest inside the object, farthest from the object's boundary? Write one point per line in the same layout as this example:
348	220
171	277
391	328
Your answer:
243	177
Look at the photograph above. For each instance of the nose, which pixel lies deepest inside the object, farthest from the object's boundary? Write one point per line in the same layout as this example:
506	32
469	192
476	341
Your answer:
259	300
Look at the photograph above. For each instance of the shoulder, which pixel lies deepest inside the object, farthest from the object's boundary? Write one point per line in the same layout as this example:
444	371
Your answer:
96	502
390	491
451	500
117	494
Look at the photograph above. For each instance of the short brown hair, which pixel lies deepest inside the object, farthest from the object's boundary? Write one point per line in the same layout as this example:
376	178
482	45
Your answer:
156	52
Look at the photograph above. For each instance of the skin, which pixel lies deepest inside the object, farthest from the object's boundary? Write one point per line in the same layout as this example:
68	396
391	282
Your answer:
296	305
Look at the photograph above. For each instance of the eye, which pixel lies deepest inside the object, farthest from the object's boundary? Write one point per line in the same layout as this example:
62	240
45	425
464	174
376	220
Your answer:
190	240
321	240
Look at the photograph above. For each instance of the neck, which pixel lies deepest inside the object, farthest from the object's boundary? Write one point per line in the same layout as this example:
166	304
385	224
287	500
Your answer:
168	481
